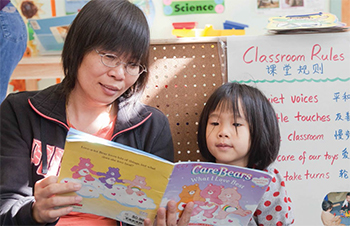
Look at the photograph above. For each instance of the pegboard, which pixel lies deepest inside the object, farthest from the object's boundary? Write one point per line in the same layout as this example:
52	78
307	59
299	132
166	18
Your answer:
182	77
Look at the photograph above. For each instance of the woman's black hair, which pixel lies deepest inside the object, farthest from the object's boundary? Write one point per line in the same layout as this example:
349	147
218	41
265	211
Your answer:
115	26
260	115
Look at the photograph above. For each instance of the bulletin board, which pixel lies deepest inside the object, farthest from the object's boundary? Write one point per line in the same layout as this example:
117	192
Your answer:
183	73
307	79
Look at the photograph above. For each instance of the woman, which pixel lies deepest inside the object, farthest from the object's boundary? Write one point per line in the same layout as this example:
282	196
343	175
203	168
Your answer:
105	65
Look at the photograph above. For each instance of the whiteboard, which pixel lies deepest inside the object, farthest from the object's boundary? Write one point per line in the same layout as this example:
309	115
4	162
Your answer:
307	79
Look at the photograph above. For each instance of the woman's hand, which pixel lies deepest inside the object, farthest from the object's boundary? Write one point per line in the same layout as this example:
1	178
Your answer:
167	217
46	200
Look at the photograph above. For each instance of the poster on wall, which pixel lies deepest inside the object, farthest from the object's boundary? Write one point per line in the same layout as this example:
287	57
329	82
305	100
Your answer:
283	7
34	9
147	8
74	6
183	7
307	79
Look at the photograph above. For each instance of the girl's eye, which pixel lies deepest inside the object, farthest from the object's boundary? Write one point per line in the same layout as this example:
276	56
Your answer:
214	123
236	124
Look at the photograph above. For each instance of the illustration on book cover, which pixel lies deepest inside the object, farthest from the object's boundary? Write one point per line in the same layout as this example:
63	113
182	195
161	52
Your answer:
222	194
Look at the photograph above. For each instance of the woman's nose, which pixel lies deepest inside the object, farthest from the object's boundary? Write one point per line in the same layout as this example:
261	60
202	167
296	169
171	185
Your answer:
117	72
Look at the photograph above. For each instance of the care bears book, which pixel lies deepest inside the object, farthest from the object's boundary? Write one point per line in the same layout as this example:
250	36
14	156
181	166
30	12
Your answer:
222	194
129	185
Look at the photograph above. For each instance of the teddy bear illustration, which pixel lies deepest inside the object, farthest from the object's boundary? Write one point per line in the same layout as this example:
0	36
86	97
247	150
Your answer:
110	177
230	198
136	185
188	194
83	169
211	203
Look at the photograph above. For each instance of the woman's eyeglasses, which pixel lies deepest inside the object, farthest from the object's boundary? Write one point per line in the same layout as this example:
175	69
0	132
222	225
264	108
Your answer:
111	60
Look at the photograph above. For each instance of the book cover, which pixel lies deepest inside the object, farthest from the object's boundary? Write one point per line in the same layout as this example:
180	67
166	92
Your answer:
129	185
223	194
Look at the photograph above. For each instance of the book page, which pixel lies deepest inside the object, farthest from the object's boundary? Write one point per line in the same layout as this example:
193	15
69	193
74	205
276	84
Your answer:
118	181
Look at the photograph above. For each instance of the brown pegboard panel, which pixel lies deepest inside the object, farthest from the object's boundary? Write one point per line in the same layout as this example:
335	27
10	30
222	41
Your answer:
182	76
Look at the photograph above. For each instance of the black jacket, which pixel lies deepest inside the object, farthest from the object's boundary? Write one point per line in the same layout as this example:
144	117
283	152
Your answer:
31	120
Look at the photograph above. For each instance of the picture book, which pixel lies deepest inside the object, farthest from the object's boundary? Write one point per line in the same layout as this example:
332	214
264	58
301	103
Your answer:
50	33
129	185
222	194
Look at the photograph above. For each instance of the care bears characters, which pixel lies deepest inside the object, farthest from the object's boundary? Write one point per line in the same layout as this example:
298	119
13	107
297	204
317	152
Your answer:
214	201
110	183
188	194
230	198
83	169
110	177
136	185
211	203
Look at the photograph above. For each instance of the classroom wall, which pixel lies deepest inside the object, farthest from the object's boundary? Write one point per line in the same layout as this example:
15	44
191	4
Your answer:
241	11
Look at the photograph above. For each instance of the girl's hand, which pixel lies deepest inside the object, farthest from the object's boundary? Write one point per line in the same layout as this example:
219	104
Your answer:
167	217
46	202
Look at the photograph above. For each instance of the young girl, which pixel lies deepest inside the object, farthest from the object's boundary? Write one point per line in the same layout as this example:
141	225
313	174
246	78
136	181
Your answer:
238	126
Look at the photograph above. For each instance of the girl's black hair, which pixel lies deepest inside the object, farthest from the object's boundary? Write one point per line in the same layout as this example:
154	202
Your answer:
115	26
260	115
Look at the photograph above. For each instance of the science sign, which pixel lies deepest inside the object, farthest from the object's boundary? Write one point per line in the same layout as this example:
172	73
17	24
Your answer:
182	7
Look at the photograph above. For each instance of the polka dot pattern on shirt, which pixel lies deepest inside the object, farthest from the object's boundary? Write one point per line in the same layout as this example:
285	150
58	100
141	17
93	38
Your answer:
275	207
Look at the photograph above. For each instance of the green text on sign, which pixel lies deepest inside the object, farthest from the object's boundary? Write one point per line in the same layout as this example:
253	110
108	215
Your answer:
179	7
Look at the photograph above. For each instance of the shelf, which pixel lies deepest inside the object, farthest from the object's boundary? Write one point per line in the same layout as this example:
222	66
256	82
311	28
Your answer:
38	68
